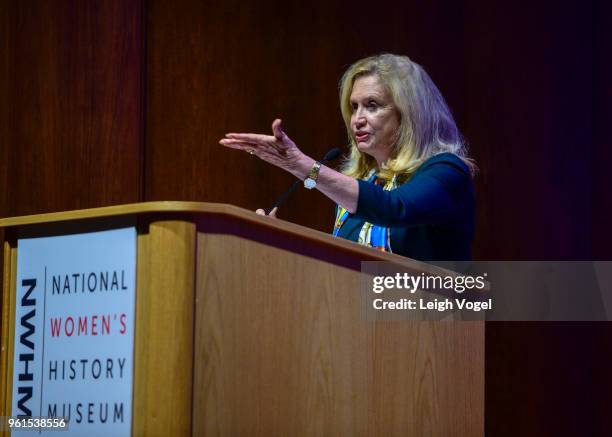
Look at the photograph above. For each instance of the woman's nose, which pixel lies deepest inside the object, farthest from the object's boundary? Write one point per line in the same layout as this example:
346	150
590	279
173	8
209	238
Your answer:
359	118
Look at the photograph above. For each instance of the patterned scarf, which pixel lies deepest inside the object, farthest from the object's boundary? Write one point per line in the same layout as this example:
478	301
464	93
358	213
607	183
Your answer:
378	237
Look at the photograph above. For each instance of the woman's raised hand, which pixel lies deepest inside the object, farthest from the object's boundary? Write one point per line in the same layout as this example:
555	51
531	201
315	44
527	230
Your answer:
277	149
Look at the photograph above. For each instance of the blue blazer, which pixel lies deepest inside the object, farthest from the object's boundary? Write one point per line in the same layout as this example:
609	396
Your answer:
431	216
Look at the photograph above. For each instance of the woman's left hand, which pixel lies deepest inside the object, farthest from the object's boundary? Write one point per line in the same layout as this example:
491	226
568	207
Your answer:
277	149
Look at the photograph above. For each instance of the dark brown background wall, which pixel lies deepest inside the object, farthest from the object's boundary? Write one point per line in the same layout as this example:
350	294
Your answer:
73	125
109	102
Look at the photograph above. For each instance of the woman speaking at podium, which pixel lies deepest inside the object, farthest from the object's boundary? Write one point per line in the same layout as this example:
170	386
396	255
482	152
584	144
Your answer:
406	186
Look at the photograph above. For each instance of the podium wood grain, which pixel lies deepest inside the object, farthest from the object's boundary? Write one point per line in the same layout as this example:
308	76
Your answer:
282	349
7	327
163	354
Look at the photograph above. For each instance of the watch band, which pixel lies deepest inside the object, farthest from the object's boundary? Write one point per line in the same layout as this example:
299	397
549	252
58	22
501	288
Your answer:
311	181
314	171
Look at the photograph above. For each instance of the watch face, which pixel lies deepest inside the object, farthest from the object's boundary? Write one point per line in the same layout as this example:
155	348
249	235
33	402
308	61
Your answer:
309	183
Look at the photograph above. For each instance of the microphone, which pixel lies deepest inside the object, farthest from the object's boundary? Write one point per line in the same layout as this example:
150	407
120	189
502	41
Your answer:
329	156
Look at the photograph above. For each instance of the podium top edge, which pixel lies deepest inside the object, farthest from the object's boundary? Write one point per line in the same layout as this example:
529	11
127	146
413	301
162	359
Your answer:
185	207
120	210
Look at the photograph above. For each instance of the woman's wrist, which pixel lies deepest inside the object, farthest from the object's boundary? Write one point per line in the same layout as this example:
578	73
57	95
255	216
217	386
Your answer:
302	167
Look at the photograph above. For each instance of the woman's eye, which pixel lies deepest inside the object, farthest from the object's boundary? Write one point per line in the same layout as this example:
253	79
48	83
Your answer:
372	105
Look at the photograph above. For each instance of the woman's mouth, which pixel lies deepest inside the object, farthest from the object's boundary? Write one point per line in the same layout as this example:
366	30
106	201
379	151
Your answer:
361	137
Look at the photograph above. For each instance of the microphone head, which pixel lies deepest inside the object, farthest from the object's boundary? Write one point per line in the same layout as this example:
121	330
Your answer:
332	154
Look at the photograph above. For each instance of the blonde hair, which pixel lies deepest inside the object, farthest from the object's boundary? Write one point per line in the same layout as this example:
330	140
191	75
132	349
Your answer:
427	127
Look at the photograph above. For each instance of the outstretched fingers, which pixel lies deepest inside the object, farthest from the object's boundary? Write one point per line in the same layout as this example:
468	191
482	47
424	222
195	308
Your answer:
237	144
265	152
251	138
274	149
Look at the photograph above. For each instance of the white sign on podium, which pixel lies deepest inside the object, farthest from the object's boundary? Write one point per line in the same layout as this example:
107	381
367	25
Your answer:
74	331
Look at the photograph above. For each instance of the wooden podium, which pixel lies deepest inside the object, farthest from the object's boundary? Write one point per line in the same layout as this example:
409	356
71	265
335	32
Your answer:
250	326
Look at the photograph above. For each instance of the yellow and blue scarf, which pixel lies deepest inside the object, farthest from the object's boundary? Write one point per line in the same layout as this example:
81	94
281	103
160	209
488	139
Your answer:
378	237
